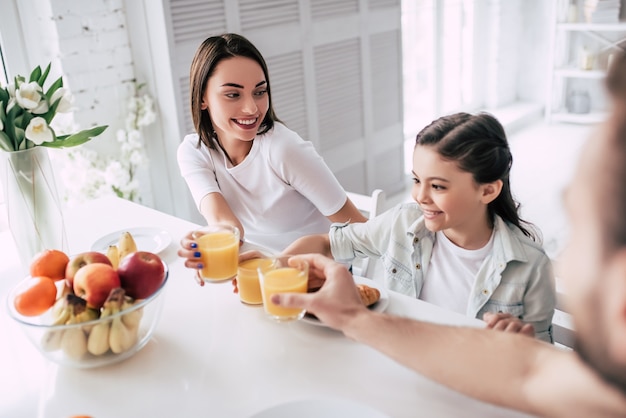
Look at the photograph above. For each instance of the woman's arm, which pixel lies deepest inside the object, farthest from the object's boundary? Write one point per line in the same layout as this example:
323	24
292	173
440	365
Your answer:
216	210
347	213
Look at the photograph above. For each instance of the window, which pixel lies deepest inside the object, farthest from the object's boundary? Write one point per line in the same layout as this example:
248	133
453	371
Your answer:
440	45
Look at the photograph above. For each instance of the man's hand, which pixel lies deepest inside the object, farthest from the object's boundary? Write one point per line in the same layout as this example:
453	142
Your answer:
337	301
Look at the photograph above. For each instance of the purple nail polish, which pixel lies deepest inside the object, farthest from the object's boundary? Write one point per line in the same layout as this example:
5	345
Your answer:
197	254
200	265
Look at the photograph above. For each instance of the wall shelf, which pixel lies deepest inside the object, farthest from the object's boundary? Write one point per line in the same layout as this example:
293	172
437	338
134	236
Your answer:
565	76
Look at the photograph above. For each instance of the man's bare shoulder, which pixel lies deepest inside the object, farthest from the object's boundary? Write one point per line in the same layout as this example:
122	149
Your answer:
561	384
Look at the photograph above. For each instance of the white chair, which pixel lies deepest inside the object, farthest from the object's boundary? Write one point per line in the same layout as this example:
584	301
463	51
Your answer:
370	206
563	330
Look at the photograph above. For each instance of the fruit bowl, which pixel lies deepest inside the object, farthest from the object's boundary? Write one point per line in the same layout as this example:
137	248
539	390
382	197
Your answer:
99	342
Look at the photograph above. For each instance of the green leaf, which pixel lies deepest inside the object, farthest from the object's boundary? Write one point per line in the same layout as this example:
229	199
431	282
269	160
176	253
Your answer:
34	76
73	140
5	142
42	78
54	87
4	97
52	110
20	138
10	127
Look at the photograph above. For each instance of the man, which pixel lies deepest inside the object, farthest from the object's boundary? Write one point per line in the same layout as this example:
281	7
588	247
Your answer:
513	370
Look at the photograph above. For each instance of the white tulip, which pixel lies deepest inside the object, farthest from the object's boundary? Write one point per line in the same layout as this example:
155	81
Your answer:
38	131
1	125
29	95
66	99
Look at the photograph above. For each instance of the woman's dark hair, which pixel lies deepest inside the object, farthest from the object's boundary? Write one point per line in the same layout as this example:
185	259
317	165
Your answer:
210	53
477	143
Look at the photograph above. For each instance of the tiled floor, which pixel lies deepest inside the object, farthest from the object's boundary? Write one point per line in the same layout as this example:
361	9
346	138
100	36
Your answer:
544	156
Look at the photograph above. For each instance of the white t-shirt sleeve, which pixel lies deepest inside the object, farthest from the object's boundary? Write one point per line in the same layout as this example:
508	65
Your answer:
196	168
298	163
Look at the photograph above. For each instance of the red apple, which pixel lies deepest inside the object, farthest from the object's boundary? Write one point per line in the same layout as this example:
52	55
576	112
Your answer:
141	274
94	282
80	260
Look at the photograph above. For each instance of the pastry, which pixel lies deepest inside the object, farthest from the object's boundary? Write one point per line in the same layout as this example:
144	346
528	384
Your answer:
369	295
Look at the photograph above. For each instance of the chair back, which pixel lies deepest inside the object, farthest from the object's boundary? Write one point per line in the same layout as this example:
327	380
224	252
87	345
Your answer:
370	206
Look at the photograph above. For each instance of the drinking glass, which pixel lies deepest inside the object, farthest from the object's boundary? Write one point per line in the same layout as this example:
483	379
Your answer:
248	279
219	248
286	274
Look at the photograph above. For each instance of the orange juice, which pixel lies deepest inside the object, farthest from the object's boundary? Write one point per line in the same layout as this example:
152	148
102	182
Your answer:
281	280
220	254
248	280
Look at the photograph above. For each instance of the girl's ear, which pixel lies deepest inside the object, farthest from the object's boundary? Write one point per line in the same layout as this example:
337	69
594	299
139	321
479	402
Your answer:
490	191
203	105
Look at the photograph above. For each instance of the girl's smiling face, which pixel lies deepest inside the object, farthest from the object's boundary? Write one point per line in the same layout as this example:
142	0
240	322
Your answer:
451	200
237	99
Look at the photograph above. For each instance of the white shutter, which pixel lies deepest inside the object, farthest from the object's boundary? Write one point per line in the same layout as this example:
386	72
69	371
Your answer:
382	4
288	94
339	93
193	20
385	57
321	9
257	14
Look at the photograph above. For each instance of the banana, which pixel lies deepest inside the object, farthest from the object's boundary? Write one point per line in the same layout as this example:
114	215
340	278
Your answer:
114	255
74	339
126	245
121	338
51	340
131	319
98	340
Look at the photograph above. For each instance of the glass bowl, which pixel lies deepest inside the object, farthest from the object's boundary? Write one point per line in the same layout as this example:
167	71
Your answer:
114	338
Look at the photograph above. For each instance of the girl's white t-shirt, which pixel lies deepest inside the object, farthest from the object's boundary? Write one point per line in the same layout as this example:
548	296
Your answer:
281	191
451	273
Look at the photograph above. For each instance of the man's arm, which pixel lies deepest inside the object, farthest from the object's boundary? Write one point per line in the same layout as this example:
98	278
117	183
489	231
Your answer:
509	370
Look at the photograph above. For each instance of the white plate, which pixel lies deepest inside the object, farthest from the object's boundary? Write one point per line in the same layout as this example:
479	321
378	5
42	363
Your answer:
149	239
315	408
379	306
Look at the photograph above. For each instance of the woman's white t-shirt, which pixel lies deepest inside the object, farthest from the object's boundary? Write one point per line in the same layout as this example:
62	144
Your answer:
281	191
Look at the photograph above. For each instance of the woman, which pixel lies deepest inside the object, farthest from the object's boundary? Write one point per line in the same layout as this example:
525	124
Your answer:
243	166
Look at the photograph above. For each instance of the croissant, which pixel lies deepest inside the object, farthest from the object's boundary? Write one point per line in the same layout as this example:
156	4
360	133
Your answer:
369	295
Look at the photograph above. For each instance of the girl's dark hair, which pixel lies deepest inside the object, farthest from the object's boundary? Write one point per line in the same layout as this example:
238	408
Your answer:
478	144
210	53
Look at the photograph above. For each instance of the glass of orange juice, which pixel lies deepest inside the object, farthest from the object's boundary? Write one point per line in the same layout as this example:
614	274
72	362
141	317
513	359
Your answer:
248	279
219	248
286	274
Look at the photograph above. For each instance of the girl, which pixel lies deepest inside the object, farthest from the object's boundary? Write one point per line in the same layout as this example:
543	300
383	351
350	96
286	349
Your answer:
461	245
245	168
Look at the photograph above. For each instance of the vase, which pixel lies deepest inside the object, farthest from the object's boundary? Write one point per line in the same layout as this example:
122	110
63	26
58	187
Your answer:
35	213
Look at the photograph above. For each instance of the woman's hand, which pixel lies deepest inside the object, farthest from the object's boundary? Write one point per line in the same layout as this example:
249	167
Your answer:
508	323
190	252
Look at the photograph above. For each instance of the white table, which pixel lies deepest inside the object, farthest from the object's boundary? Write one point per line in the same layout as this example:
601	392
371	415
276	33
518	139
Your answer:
210	354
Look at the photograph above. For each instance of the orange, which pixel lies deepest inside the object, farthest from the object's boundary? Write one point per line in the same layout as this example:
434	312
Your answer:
35	295
49	263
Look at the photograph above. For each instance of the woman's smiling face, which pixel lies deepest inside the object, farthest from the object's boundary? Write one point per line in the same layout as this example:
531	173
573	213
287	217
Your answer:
237	99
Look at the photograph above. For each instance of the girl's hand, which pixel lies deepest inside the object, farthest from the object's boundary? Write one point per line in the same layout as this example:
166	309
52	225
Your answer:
508	323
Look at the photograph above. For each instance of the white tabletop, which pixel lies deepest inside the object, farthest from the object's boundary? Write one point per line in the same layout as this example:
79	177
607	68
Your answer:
210	354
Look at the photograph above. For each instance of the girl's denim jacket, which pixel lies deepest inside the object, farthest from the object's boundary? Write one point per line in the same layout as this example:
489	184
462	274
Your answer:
515	278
